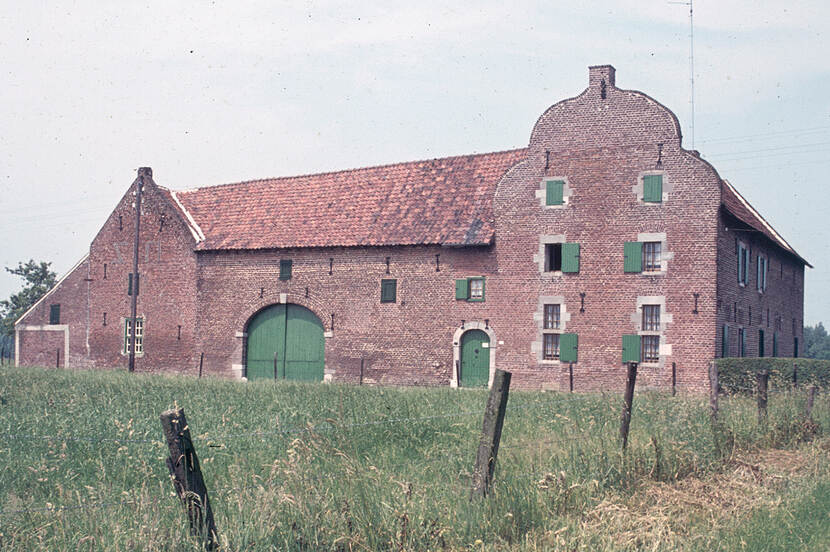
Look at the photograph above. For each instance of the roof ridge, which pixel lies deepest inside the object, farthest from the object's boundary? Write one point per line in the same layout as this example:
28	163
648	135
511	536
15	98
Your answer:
346	171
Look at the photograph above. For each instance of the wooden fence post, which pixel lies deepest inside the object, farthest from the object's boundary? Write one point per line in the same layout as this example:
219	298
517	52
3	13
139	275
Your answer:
275	366
795	375
673	379
571	376
201	361
360	381
714	388
811	397
187	477
58	358
763	383
488	447
625	419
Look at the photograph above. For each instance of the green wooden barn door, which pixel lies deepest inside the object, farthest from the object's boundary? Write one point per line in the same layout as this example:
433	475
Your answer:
295	334
304	345
475	359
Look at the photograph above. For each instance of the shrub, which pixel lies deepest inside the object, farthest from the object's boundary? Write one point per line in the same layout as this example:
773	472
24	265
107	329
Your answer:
738	374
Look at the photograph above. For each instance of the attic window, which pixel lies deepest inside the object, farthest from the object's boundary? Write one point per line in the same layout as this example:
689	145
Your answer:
285	269
55	314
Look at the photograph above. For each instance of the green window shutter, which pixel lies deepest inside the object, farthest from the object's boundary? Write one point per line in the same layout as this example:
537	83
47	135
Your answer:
388	290
570	257
554	192
285	269
775	344
724	347
653	188
631	348
633	257
568	347
461	289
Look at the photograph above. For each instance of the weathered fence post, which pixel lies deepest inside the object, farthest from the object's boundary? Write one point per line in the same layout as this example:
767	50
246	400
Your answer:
714	389
673	379
360	381
201	361
763	383
187	477
571	377
628	399
795	375
58	358
275	366
488	447
811	397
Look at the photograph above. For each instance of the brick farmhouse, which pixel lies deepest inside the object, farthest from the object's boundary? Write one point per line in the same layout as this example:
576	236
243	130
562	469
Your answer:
601	242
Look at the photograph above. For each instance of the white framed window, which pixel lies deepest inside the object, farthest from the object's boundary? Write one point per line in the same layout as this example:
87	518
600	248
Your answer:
652	256
551	346
553	317
651	318
743	263
650	348
476	289
139	335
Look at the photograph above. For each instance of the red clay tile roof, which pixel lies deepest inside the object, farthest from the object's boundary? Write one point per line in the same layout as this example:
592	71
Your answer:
736	204
445	201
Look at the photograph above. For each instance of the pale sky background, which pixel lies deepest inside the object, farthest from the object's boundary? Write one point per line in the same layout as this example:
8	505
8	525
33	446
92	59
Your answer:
212	92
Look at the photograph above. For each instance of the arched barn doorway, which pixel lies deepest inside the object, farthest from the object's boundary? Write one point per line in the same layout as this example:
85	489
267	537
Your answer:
295	334
475	359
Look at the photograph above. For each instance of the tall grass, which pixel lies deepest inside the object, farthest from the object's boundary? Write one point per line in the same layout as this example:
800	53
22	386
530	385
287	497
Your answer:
293	466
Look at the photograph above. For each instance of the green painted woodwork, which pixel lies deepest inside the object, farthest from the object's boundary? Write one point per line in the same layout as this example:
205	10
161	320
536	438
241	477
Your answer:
554	192
388	290
570	257
653	188
760	343
475	359
295	334
631	348
633	257
568	347
724	347
470	289
461	289
285	269
774	344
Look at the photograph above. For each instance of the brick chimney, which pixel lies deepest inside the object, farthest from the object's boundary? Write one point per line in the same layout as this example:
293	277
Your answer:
145	171
597	74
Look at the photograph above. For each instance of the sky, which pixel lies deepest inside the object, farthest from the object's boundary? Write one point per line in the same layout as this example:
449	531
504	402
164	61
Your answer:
214	92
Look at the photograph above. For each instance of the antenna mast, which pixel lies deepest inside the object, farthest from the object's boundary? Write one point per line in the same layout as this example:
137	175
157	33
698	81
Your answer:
691	66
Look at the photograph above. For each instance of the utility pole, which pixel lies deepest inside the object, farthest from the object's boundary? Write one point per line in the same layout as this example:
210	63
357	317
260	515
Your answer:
139	186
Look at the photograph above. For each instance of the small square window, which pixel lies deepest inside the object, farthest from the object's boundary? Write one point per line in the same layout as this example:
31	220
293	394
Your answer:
551	346
652	256
388	290
651	318
651	348
552	317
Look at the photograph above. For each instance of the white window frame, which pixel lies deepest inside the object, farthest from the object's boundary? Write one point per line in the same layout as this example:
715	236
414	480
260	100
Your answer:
761	272
139	337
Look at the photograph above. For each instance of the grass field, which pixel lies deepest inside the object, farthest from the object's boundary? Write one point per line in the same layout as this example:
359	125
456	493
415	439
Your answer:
333	467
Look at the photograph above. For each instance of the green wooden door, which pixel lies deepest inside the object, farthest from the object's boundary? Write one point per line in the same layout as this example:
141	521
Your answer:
295	334
475	359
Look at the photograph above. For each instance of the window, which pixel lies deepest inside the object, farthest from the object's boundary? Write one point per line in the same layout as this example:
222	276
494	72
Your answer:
476	289
54	314
653	188
562	257
470	289
551	348
554	192
285	269
761	283
743	264
760	343
139	335
795	347
388	290
643	256
651	348
651	256
742	341
774	344
651	318
553	317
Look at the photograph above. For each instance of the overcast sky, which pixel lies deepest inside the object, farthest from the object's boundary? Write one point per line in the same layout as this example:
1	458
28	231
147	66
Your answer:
214	92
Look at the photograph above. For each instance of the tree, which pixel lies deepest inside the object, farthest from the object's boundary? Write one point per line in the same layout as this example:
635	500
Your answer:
38	279
816	342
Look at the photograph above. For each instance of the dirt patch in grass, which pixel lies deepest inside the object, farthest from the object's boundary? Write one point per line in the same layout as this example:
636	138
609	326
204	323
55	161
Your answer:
683	514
